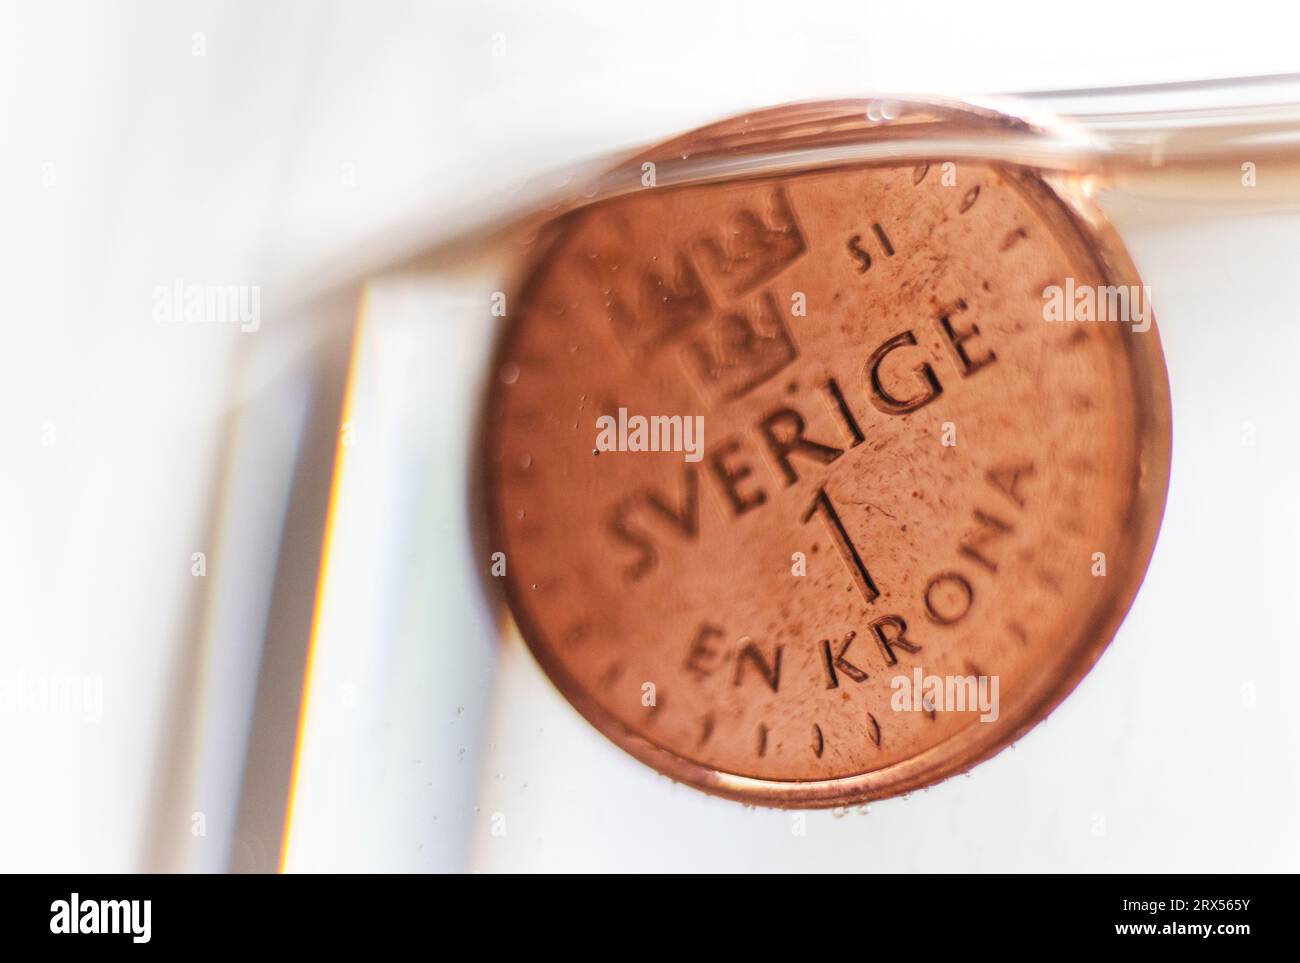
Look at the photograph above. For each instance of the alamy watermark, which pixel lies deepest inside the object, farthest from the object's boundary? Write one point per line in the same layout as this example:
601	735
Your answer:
1118	303
180	302
945	693
72	695
129	917
684	433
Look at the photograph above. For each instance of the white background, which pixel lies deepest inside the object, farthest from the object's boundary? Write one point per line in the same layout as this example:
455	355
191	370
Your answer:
129	161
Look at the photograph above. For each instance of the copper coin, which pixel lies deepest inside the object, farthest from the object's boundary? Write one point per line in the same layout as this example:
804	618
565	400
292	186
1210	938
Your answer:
907	473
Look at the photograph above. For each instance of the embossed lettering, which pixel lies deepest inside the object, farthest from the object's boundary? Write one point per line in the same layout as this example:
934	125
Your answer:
751	653
948	597
848	551
991	528
783	431
837	661
891	632
701	658
958	338
883	399
731	475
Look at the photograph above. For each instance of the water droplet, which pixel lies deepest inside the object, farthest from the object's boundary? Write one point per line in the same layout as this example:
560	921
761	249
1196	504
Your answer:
509	373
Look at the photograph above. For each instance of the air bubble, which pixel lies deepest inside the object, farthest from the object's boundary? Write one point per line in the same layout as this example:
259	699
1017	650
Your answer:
882	110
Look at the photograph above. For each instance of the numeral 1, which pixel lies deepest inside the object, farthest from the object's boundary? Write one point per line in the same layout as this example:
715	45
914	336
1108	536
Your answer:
857	569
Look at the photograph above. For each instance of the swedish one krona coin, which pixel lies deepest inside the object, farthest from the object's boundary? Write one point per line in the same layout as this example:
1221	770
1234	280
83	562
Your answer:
888	469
